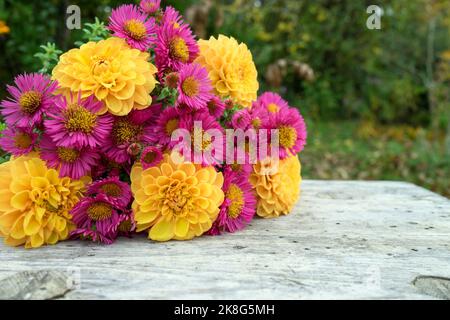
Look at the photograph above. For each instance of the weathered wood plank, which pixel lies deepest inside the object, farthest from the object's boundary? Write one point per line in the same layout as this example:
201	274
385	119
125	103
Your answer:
344	240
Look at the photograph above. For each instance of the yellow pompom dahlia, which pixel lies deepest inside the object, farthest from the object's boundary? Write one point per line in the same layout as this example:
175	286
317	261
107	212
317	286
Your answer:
116	74
35	202
231	69
277	189
176	201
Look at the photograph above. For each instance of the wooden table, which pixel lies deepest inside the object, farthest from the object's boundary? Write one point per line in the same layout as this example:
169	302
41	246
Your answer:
350	240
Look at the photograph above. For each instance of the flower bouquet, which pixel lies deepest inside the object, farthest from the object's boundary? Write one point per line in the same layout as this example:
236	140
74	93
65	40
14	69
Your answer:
145	130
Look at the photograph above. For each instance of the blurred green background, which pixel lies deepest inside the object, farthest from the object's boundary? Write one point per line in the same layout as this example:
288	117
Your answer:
377	102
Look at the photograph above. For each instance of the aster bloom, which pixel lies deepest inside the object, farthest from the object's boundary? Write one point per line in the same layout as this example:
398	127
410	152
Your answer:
277	185
114	73
129	23
271	103
71	162
150	6
18	141
216	107
35	203
167	123
241	119
238	208
127	224
259	118
31	96
96	218
291	131
118	192
231	69
151	156
194	87
175	47
172	17
75	122
175	200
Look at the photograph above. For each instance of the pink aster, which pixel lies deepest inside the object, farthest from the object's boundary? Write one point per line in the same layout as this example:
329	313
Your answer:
238	208
167	123
18	141
194	87
129	23
72	162
175	47
127	134
30	97
172	17
96	218
151	156
216	107
75	122
270	102
291	131
150	6
127	224
241	119
118	192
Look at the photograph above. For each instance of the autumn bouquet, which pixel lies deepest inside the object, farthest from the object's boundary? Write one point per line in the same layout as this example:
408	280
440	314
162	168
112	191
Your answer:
145	129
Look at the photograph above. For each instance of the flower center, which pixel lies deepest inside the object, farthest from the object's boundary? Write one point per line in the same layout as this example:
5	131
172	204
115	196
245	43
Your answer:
22	141
111	189
212	106
125	226
256	123
150	157
178	49
176	200
135	29
30	101
171	125
201	140
100	65
190	86
99	211
236	197
273	108
79	119
67	154
125	131
288	136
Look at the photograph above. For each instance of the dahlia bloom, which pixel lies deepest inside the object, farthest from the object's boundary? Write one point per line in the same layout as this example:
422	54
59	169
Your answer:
18	141
238	208
129	23
150	6
119	76
96	218
277	185
31	96
231	69
175	47
167	123
175	200
75	122
151	156
216	107
35	203
117	192
271	103
194	87
291	131
71	162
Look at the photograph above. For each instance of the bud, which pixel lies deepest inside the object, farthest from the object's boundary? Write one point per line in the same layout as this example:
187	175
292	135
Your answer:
134	149
171	80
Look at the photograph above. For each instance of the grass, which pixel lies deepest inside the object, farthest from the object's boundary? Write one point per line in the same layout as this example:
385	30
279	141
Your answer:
365	151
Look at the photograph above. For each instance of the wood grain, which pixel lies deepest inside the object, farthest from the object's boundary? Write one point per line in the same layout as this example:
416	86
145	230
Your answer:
344	240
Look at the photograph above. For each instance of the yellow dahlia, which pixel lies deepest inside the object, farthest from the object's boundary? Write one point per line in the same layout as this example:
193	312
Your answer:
35	202
231	69
176	201
277	189
116	74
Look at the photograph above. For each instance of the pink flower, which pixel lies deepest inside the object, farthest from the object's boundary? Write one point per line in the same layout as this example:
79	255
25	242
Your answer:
216	107
118	192
151	156
270	102
75	123
73	162
194	87
96	218
30	98
241	119
175	47
167	123
127	224
172	17
238	208
129	23
150	6
18	141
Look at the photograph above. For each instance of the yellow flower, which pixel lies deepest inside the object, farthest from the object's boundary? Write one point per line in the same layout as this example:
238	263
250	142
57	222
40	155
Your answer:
4	27
277	189
35	202
231	69
116	74
176	201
